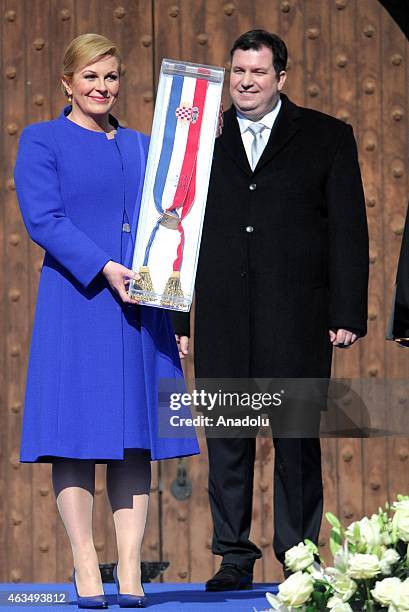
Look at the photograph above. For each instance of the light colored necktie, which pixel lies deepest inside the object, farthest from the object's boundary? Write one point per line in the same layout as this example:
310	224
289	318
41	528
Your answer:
257	146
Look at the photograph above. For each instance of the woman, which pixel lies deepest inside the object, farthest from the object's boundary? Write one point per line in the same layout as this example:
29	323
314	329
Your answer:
95	357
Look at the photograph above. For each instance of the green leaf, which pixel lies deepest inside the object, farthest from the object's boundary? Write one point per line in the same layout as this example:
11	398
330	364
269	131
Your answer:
333	520
335	541
311	546
317	597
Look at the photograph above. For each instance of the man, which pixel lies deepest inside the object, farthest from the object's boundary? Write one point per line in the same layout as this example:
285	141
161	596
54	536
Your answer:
282	278
398	324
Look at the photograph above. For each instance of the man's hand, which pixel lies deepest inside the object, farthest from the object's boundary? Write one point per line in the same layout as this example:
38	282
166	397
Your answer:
119	277
219	129
183	345
342	338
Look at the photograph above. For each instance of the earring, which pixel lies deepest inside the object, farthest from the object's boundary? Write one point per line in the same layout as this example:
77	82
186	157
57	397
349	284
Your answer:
69	99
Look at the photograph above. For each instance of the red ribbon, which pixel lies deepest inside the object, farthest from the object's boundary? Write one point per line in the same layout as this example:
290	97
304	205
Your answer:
186	188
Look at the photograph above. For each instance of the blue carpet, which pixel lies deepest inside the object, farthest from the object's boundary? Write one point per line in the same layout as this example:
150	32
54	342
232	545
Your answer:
172	597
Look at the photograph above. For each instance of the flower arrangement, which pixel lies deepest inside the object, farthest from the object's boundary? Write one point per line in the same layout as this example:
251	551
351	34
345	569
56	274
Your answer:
370	570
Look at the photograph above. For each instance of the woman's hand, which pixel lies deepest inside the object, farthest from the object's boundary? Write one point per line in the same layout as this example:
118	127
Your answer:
119	277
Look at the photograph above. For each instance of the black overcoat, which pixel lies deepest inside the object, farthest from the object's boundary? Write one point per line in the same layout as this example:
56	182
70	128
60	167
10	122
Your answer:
398	328
284	251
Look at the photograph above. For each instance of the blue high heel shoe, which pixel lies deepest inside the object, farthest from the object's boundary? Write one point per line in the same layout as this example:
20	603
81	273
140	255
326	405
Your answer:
94	602
127	600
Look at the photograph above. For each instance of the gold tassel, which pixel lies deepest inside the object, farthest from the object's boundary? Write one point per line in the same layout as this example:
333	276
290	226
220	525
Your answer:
145	281
143	284
173	294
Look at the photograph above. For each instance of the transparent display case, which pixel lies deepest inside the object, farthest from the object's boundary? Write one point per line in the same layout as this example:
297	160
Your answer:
176	182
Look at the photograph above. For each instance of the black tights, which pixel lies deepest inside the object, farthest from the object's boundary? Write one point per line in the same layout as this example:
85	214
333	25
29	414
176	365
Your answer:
128	486
126	478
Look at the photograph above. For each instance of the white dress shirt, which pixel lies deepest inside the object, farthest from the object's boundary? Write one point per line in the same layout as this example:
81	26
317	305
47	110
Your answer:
247	137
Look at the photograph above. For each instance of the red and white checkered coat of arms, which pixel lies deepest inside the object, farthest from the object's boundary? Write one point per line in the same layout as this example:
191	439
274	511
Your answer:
187	113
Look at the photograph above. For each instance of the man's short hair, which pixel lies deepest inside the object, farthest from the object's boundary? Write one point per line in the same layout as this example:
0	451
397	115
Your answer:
255	39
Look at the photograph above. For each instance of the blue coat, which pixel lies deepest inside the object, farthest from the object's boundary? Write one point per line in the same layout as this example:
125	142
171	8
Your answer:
95	363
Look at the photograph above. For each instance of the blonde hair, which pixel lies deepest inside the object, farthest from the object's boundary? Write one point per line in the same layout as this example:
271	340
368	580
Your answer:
86	49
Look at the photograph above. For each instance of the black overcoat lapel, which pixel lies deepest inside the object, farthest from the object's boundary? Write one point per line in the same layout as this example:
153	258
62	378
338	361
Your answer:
285	128
232	142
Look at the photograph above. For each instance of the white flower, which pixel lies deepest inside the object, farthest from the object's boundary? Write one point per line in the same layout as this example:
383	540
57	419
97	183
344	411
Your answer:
344	586
401	600
369	532
335	604
341	558
316	571
386	538
296	590
400	523
401	506
298	558
341	583
386	590
389	558
276	603
363	566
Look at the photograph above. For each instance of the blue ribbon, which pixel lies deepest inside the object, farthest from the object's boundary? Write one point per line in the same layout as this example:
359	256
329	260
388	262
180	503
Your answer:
165	155
142	167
